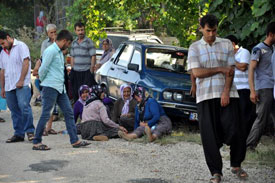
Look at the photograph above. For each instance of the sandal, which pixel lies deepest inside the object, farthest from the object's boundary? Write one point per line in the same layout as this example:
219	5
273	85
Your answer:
2	120
81	144
216	178
41	147
30	136
52	131
241	174
45	133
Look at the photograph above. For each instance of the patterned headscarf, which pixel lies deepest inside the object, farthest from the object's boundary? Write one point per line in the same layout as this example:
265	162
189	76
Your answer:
107	54
80	91
125	108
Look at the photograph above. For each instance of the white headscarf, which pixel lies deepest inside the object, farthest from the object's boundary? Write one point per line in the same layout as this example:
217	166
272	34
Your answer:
125	108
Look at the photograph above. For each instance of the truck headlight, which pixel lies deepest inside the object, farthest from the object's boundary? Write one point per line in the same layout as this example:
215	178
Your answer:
177	97
167	95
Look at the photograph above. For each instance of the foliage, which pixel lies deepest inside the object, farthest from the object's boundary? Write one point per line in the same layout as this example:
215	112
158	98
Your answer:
177	18
245	19
12	17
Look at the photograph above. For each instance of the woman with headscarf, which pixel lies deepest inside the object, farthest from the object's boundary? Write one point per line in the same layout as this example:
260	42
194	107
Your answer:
95	124
107	46
124	108
83	97
149	118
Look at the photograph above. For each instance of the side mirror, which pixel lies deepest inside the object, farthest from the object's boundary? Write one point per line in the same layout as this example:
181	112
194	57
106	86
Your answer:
133	67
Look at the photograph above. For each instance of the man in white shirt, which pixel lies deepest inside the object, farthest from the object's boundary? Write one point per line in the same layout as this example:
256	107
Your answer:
247	108
15	67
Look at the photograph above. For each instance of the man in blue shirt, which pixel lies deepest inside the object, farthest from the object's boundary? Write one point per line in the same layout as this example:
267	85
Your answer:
51	74
261	91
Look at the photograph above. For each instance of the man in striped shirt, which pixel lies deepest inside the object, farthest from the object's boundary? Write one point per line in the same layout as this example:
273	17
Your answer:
83	60
15	67
247	108
211	60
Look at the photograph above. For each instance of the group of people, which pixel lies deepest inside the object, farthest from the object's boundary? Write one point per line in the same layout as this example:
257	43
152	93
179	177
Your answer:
228	82
128	118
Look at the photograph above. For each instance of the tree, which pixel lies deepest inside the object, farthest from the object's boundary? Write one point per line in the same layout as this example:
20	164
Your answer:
245	19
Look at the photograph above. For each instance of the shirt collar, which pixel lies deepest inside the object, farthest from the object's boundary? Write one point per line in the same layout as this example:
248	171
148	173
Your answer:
217	40
15	42
85	38
239	50
56	47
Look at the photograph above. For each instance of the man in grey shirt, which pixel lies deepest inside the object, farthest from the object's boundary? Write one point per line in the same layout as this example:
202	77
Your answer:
261	91
83	60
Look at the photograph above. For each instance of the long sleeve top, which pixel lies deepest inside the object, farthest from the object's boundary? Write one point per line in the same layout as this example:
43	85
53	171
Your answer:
78	109
96	111
118	108
152	114
51	72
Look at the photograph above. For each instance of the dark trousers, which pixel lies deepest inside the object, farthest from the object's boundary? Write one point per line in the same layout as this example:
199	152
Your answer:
265	109
247	111
218	126
78	78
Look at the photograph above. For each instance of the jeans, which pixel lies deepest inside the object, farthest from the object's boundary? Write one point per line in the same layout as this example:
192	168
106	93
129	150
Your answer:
50	96
18	101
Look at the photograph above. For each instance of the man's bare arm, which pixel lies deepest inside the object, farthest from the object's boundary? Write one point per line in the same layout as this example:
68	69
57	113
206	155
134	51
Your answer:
93	62
72	62
24	71
225	98
251	69
208	72
2	77
241	66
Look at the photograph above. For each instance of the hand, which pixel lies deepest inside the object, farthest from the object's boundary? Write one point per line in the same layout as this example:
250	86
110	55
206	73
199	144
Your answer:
225	99
19	84
3	93
254	97
143	124
193	90
35	72
92	69
228	71
97	66
123	129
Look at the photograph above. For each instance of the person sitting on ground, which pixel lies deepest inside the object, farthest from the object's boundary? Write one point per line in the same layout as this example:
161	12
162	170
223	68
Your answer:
109	50
149	118
95	124
124	108
78	106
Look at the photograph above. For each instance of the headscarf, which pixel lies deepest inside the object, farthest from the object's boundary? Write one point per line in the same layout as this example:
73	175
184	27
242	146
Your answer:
95	93
41	14
80	91
125	108
107	54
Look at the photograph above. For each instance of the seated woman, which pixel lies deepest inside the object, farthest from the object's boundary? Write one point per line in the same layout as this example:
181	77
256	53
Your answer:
95	124
78	106
107	46
149	118
124	108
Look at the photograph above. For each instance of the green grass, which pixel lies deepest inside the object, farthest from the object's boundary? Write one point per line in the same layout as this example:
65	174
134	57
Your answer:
263	156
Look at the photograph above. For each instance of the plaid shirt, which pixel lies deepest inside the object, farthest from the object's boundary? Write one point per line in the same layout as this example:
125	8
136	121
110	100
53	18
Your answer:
202	55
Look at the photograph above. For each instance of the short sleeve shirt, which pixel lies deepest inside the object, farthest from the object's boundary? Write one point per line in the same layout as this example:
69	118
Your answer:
262	53
202	55
12	63
241	77
82	53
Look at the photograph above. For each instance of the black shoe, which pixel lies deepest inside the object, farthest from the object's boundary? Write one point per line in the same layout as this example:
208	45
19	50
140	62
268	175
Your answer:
15	139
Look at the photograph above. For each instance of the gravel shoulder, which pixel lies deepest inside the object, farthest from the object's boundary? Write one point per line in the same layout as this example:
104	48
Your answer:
114	161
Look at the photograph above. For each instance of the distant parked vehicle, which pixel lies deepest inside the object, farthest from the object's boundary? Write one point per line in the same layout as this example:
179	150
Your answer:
161	69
